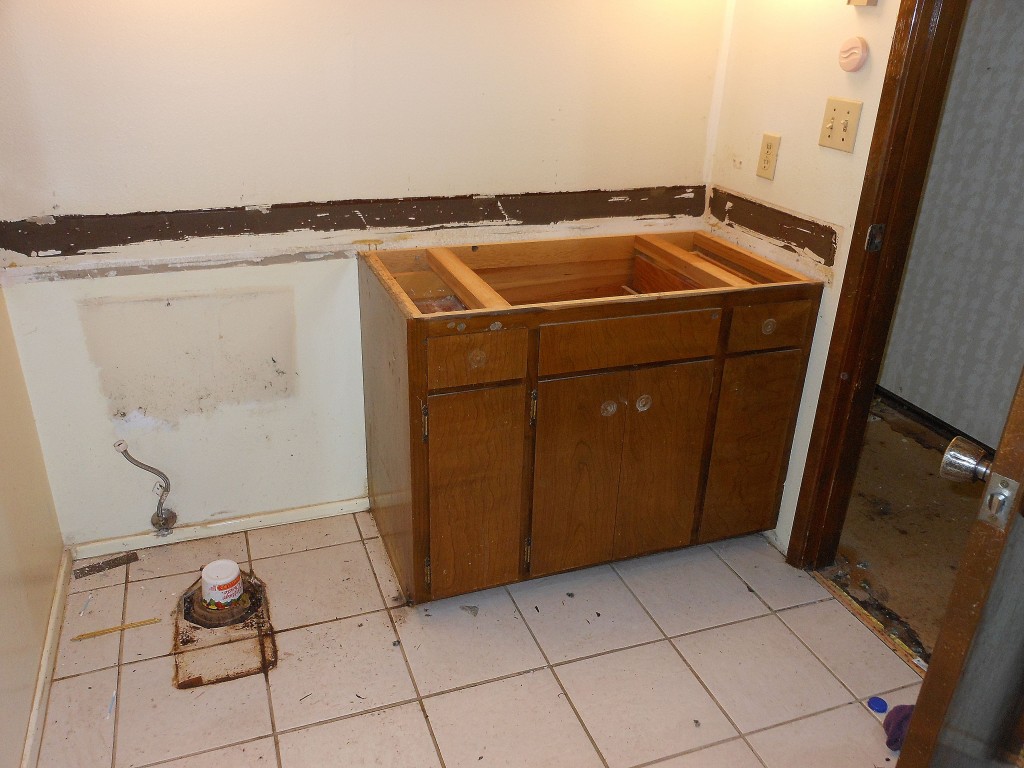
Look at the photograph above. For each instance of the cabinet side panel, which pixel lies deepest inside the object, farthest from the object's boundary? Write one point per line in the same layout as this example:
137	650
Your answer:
662	457
576	474
388	427
476	456
758	402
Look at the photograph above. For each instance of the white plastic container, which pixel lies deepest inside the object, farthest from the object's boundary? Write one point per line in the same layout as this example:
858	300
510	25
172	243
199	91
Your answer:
222	584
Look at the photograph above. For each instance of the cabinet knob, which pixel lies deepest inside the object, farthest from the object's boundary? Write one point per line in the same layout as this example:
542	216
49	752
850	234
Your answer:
609	407
477	358
768	326
644	403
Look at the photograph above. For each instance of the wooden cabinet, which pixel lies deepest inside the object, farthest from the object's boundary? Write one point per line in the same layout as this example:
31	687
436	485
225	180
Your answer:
537	407
617	464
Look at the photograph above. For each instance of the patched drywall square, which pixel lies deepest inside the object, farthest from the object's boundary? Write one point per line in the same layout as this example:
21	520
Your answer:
161	358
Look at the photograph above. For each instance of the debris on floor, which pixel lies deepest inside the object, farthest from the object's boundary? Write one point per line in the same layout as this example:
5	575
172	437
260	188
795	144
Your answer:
104	565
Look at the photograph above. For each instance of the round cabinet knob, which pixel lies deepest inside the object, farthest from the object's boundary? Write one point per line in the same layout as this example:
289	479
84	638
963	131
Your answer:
477	358
644	403
768	326
609	407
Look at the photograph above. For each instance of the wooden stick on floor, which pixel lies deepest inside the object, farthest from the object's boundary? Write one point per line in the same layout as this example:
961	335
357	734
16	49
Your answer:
108	630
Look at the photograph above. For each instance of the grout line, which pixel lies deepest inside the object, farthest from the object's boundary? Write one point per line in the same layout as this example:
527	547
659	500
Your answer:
401	647
167	760
666	758
558	681
120	657
679	653
253	560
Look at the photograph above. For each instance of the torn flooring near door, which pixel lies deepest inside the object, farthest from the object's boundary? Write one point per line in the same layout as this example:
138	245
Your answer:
905	529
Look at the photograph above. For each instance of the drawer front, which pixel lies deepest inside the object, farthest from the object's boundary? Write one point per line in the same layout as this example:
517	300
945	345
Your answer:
769	326
595	344
476	358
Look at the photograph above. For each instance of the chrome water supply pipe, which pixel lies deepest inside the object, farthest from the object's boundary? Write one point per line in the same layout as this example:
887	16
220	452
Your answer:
163	519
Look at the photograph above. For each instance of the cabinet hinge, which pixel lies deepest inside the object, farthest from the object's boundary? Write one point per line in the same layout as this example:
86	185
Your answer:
529	551
426	566
873	242
426	423
533	407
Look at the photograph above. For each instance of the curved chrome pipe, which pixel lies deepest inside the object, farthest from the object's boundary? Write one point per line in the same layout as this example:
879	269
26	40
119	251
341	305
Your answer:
163	519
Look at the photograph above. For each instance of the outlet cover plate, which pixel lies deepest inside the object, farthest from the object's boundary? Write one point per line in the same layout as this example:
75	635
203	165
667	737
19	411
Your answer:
839	125
769	155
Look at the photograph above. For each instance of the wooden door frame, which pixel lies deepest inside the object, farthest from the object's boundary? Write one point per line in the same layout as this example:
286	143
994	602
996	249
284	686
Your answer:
923	50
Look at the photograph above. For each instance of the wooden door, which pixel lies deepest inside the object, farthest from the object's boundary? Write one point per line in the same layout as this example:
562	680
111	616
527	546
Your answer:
662	454
580	423
971	708
476	452
753	429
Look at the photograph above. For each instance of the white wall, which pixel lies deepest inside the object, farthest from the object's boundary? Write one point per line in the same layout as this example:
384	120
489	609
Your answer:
782	65
243	384
957	343
182	105
30	550
178	104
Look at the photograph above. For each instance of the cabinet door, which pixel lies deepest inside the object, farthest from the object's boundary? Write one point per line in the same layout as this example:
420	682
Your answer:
576	473
475	454
662	454
756	410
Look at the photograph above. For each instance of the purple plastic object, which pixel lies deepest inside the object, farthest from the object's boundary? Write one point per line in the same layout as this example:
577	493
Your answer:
896	724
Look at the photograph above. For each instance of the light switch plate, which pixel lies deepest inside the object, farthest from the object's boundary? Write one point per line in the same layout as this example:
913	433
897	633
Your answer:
839	126
862	2
769	155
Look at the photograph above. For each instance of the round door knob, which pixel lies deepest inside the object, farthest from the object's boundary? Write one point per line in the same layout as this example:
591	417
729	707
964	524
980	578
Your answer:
644	403
768	326
964	461
609	407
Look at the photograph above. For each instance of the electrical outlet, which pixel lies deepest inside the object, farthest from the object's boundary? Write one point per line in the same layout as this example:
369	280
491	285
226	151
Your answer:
769	155
839	126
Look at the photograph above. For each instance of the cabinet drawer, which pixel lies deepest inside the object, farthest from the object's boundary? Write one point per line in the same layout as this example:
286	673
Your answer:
593	344
769	326
476	358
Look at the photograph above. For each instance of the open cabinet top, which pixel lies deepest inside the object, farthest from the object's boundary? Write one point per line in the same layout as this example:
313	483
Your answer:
490	277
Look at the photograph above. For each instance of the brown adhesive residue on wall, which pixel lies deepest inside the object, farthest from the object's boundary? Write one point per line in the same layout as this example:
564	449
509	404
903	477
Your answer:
792	232
70	235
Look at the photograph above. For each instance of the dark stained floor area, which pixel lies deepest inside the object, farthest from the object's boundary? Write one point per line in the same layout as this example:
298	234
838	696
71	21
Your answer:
905	529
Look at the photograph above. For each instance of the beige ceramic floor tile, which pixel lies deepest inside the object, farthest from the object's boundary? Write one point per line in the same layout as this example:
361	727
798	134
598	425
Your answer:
156	721
188	556
321	585
843	738
760	673
732	754
79	727
852	651
337	669
87	612
153	598
390	738
490	635
689	589
252	754
385	573
906	695
520	721
765	569
642	704
581	613
108	578
299	537
367	525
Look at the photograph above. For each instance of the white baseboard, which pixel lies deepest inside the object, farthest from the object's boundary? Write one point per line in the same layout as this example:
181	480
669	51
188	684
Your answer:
219	527
37	717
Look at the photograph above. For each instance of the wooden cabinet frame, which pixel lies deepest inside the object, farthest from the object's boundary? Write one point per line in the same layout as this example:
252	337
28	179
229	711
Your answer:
459	345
